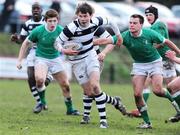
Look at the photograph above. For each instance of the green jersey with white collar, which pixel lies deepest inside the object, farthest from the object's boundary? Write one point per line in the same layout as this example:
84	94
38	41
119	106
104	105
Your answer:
45	41
142	47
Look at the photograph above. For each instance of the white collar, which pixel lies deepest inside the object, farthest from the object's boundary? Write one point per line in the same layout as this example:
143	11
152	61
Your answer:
48	29
137	35
157	20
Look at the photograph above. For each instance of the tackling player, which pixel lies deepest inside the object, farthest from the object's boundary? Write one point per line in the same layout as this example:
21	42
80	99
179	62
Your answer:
147	61
169	72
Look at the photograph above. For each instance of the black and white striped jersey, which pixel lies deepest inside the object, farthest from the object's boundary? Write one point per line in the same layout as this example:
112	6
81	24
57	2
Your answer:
30	25
78	34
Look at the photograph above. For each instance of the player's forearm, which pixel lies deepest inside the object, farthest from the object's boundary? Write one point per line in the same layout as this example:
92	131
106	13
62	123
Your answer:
108	49
177	60
23	50
102	41
172	46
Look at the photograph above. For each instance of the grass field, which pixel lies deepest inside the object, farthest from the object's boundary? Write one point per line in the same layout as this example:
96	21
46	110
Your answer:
16	117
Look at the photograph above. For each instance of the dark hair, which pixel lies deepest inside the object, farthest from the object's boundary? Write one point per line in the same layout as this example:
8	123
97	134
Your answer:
152	10
141	18
50	14
84	8
36	5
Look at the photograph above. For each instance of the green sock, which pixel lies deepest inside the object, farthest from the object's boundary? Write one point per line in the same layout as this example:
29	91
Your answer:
146	94
68	103
168	96
176	97
144	114
42	96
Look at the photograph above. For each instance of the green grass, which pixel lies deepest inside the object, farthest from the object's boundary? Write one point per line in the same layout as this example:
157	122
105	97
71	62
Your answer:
16	117
8	48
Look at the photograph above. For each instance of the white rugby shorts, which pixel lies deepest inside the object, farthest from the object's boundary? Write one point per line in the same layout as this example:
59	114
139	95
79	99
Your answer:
54	65
85	67
150	68
169	69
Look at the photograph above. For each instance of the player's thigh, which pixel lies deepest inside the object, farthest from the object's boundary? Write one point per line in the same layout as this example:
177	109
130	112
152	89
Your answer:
157	82
94	77
80	72
147	82
174	85
41	70
168	80
61	78
87	89
93	69
138	84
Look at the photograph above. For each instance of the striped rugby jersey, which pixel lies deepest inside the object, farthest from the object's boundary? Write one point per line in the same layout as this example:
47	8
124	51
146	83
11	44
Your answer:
81	35
100	33
30	25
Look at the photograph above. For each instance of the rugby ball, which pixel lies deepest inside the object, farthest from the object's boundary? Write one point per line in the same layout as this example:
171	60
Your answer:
72	45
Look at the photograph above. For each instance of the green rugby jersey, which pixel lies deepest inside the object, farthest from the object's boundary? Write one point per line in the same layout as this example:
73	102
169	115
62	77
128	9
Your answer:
45	41
141	48
161	28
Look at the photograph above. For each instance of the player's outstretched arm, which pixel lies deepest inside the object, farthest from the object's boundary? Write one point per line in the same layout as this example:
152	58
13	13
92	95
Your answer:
172	46
22	52
103	41
116	40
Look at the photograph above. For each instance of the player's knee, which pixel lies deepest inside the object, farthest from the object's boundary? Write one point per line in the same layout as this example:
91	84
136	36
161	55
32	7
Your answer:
89	93
39	82
65	87
95	89
158	93
64	83
137	94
